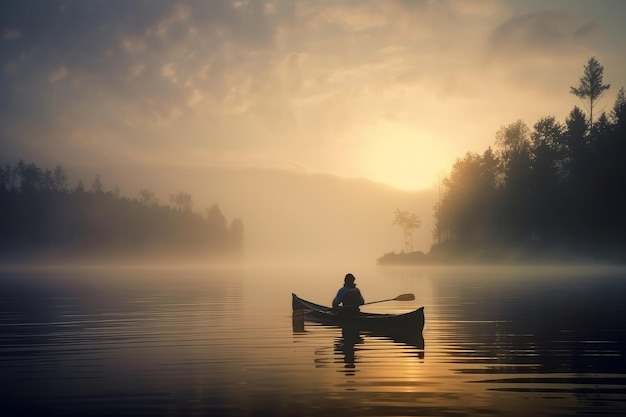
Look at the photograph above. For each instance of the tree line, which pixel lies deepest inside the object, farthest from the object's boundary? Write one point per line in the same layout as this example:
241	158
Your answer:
550	190
40	214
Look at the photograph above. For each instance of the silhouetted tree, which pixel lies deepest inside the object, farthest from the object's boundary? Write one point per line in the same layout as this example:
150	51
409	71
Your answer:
467	213
487	198
513	141
547	134
147	198
576	135
5	177
591	87
115	192
548	155
618	114
236	233
80	187
29	176
455	204
601	126
96	185
215	217
60	179
47	180
182	201
408	222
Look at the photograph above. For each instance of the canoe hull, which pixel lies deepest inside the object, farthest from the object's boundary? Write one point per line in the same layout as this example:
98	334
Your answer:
413	321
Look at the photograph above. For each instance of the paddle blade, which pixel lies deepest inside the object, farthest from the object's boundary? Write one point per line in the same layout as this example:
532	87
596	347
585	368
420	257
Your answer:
405	297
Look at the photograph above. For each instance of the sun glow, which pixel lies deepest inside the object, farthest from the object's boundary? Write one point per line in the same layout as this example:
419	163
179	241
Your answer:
403	156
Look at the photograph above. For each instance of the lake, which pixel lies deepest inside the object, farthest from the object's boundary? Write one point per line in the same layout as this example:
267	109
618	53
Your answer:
498	341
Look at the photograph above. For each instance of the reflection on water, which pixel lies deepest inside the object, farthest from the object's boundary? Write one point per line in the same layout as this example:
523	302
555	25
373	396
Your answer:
351	339
215	342
345	346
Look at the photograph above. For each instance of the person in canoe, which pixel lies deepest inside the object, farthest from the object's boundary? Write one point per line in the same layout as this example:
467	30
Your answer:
349	296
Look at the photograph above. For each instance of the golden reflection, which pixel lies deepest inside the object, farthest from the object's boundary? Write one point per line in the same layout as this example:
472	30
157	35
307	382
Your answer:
354	346
345	346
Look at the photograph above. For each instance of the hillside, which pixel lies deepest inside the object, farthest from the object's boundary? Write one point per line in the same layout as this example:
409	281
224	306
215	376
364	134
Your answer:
294	216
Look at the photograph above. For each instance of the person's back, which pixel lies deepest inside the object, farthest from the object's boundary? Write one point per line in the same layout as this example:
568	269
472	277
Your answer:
352	298
349	295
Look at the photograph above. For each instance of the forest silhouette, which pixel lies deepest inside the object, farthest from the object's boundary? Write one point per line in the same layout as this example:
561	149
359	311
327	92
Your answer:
42	218
553	192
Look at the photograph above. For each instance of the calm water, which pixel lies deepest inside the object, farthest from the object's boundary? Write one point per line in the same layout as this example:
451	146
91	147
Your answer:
173	341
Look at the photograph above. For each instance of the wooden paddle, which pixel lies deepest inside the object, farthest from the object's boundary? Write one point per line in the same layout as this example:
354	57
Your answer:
401	297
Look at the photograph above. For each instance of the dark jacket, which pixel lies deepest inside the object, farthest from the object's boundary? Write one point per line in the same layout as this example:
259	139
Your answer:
348	296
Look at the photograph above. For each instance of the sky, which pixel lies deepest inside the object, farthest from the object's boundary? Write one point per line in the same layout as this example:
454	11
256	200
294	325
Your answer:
392	90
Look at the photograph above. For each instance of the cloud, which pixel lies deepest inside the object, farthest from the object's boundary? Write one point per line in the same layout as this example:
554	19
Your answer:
58	74
225	76
587	29
351	17
145	58
550	35
10	34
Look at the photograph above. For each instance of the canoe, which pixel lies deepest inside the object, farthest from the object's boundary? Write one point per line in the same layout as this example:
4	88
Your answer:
413	320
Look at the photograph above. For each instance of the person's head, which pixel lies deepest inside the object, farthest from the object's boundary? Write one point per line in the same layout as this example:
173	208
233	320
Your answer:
349	280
